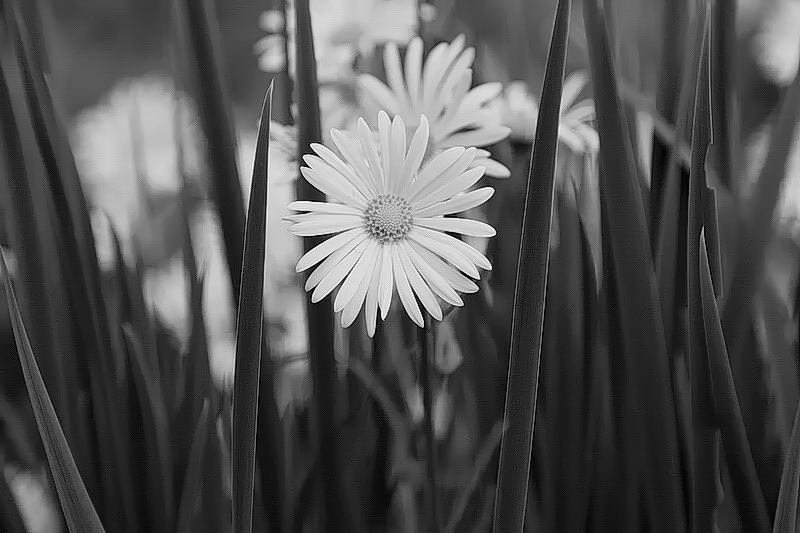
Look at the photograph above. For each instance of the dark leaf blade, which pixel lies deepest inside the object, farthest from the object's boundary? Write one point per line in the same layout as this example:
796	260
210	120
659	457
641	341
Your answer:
705	438
786	513
529	298
188	509
319	315
198	35
746	486
249	331
80	266
654	427
75	502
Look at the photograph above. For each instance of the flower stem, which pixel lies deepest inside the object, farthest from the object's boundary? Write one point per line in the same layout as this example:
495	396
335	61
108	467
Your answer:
428	345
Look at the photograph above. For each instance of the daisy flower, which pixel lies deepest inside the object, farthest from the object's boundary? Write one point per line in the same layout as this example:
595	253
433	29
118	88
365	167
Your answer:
441	90
387	216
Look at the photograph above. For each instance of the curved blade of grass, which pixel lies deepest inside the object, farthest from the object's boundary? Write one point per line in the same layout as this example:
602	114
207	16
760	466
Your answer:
249	330
670	233
81	268
320	315
746	487
199	36
193	482
155	424
654	426
747	364
786	514
78	511
705	438
516	446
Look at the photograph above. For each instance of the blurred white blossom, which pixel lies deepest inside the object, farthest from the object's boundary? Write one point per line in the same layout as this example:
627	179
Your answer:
34	500
777	40
342	30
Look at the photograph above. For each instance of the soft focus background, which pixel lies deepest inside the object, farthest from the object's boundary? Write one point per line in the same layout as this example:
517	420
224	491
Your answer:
111	70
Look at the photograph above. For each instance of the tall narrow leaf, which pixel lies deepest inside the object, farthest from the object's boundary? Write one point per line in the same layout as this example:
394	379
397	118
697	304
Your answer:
78	511
786	514
320	315
249	331
746	487
649	402
529	296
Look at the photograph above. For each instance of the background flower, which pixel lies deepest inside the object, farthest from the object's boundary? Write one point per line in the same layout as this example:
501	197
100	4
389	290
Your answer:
442	90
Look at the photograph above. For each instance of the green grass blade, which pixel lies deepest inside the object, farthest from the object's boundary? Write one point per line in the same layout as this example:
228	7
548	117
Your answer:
749	368
155	424
529	296
193	482
80	266
249	330
786	514
670	233
198	35
653	430
320	315
746	487
705	438
77	507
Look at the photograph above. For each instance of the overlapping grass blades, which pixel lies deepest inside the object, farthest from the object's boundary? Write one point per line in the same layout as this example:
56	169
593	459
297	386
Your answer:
529	298
705	499
249	331
320	315
643	382
749	369
78	511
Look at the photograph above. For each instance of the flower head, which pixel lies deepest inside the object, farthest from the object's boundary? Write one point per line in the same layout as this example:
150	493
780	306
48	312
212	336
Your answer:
389	224
442	91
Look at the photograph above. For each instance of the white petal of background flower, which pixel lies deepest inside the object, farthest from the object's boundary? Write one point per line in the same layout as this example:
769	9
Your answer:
778	40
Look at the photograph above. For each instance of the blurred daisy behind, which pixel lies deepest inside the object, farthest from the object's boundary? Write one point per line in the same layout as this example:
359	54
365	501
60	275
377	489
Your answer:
441	89
388	217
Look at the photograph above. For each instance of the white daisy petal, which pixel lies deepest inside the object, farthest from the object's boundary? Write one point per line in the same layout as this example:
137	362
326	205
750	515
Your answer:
319	273
482	94
361	274
470	117
469	251
404	289
386	288
448	253
435	280
479	137
323	207
351	310
457	204
351	151
419	286
394	73
494	168
452	103
371	151
398	147
324	224
379	92
371	303
416	153
333	160
582	112
572	88
413	64
456	83
338	272
385	138
464	226
421	192
453	277
435	168
334	188
460	61
435	65
326	248
449	186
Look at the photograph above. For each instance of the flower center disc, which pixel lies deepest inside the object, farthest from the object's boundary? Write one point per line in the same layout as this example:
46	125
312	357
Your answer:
388	218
